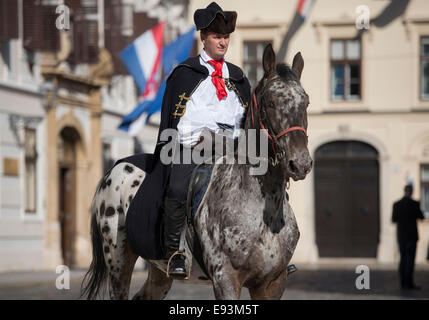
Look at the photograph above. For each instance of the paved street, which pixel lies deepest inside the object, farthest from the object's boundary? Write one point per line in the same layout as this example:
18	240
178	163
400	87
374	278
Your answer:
309	283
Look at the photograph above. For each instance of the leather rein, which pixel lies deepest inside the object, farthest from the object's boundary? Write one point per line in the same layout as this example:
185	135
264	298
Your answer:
278	155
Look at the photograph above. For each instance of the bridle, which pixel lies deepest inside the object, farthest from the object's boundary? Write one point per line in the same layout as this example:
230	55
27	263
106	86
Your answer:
278	155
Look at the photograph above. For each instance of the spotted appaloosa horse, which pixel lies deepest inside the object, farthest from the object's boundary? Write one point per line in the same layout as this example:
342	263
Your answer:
247	229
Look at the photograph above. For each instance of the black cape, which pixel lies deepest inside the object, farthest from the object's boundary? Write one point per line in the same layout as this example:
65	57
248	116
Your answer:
144	216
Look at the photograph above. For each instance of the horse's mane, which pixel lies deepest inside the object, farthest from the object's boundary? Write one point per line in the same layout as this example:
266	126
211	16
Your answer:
285	72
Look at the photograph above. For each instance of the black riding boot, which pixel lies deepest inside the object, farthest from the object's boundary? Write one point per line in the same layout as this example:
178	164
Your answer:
174	220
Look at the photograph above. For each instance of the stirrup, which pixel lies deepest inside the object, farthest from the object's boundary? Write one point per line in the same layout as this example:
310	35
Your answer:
169	261
291	269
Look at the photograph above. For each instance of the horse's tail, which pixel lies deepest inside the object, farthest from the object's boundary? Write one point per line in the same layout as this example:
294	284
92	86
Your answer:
95	278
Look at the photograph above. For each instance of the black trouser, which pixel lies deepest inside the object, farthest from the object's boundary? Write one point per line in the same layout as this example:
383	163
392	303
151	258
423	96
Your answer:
175	205
180	177
407	250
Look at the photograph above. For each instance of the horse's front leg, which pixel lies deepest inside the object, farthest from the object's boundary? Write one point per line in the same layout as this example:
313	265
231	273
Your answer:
272	290
226	284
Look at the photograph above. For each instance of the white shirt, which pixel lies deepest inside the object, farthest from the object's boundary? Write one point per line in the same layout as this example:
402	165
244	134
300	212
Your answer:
204	108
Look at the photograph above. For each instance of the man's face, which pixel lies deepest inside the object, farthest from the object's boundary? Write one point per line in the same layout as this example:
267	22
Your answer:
215	44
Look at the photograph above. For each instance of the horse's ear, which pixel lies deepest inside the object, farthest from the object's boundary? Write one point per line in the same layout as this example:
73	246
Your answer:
298	64
269	59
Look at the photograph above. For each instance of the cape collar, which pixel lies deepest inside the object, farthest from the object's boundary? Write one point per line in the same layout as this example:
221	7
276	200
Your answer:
235	73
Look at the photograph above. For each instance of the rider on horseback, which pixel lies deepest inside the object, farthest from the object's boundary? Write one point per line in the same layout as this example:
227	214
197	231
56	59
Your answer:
217	101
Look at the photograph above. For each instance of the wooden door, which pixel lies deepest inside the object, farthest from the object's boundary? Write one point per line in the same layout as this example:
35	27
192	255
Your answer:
67	214
347	201
67	191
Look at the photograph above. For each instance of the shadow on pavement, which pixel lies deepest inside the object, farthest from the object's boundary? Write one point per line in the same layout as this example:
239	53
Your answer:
382	283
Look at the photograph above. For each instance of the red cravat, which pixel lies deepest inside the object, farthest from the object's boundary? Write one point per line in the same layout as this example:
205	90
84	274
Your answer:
217	78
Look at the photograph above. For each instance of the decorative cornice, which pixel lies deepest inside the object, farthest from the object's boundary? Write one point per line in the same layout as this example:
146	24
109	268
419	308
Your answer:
93	83
17	122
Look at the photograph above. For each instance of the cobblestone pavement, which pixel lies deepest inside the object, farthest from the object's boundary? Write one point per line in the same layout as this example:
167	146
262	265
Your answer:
308	283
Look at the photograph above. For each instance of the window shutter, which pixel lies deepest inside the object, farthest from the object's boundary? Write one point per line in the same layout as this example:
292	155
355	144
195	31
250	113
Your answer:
40	31
51	35
84	31
91	29
72	4
33	25
114	40
8	19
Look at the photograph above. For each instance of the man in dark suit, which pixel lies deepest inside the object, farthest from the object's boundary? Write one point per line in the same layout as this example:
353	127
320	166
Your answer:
405	213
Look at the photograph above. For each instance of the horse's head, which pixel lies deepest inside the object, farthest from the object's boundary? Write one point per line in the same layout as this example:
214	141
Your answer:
283	113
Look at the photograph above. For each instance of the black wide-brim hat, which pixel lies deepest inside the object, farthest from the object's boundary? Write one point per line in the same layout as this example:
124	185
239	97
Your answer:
214	19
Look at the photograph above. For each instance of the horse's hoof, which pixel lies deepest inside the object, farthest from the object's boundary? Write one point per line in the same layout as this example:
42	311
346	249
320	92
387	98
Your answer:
291	269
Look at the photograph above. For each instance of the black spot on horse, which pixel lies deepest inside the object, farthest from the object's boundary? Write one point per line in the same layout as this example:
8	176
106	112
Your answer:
120	210
128	169
110	211
105	229
109	182
106	249
105	181
110	241
121	228
117	188
103	184
102	209
130	198
135	183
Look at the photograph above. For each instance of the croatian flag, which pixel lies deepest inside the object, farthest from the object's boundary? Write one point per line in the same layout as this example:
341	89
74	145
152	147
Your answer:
142	58
299	17
174	53
304	7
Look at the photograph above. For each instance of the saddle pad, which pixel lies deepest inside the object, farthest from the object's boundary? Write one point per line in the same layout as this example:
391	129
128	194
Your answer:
197	188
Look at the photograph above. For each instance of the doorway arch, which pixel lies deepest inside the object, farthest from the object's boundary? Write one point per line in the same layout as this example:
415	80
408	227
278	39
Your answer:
347	216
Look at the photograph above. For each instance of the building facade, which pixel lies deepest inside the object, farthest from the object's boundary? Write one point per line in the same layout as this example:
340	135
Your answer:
368	119
63	93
